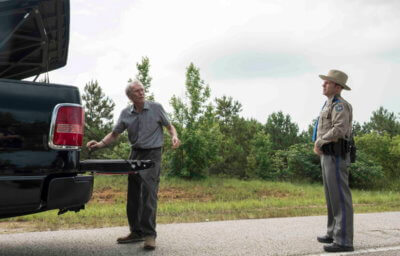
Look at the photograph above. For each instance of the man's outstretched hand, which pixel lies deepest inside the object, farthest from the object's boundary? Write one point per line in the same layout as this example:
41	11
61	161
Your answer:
175	142
94	145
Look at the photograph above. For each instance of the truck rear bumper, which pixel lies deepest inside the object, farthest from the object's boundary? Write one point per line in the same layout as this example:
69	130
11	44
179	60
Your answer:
69	192
21	195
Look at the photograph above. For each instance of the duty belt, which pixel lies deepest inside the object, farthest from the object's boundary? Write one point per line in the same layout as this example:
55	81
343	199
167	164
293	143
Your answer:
339	148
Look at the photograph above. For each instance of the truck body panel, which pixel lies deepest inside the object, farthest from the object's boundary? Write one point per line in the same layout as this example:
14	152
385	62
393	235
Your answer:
34	177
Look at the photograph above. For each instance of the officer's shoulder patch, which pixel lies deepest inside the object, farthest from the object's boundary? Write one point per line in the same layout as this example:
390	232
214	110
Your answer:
339	107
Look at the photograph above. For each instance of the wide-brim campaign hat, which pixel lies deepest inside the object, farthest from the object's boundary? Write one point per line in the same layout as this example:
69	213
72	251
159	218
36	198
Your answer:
338	77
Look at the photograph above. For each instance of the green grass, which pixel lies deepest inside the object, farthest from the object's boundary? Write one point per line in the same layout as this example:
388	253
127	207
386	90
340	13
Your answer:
206	200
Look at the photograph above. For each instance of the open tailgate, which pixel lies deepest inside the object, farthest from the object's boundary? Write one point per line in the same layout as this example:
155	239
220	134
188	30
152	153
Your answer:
115	166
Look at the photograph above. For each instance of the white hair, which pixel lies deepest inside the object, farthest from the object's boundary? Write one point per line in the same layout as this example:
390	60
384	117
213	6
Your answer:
130	85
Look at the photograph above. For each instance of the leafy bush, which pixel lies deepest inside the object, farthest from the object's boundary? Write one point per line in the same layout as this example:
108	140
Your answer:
395	146
259	159
235	147
297	163
279	166
365	173
381	150
303	163
197	153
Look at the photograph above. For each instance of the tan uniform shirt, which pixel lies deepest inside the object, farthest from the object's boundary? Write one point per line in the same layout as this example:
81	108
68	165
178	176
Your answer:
335	121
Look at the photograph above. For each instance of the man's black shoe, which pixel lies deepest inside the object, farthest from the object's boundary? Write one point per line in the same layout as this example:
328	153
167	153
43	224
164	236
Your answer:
325	239
131	238
338	248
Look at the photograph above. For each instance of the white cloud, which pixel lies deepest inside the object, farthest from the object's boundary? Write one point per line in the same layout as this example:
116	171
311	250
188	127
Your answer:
233	42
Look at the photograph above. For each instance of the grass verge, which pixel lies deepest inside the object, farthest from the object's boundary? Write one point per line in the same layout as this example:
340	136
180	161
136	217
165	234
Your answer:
206	200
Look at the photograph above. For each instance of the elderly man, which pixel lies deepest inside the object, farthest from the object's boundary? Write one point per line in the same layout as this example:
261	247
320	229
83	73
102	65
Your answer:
331	134
144	121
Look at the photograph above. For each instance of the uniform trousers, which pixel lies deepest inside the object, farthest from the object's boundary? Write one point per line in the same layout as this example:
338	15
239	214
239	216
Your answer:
338	198
142	194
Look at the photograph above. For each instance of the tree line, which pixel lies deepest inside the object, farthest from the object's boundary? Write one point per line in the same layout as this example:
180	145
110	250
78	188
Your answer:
216	140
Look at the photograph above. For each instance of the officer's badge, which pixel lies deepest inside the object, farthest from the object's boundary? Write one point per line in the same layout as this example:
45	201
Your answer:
339	108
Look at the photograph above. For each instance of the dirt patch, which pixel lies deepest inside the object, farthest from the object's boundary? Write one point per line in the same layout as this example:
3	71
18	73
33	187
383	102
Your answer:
274	193
107	196
169	194
178	194
9	227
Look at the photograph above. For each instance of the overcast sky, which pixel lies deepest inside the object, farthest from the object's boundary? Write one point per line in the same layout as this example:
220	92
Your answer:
266	54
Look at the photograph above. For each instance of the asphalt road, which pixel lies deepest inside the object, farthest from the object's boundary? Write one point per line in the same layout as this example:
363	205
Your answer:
375	234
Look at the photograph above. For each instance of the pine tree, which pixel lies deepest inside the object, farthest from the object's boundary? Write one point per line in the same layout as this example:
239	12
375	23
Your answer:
383	121
144	77
98	113
283	132
227	111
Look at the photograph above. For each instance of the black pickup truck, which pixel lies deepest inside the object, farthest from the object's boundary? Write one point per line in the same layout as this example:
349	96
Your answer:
41	124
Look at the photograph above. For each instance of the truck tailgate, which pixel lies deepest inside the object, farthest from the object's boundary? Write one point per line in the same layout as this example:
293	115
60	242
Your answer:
115	166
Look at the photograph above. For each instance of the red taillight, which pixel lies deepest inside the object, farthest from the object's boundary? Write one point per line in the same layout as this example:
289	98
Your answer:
68	126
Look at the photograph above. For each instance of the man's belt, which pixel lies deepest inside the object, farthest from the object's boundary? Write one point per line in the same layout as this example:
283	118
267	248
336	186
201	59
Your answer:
339	148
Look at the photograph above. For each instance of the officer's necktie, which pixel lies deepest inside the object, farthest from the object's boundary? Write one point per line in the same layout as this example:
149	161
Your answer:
314	136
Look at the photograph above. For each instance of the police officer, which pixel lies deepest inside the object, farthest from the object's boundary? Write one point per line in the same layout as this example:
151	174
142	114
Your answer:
144	121
331	133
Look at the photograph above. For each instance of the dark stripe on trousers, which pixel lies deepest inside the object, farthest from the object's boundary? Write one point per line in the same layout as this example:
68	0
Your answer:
343	205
